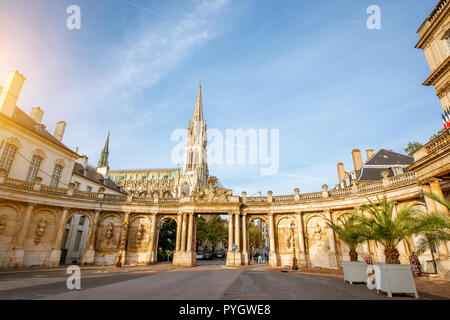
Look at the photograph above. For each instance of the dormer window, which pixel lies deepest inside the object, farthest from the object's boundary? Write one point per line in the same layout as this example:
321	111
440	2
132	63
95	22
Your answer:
397	171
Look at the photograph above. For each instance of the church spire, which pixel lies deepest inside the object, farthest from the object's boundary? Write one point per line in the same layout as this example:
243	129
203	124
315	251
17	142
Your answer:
103	162
198	113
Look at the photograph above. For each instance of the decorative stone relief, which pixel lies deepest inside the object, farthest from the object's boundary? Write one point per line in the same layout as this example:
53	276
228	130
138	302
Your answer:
211	192
40	230
316	235
3	222
109	233
140	234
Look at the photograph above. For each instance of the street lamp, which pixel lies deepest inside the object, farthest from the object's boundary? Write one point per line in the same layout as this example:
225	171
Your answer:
294	258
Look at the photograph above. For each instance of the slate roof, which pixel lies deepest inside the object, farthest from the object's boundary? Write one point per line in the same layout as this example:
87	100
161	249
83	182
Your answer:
386	157
96	177
380	161
25	121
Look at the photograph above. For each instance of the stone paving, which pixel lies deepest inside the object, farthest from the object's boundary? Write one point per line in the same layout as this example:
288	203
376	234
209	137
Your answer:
205	281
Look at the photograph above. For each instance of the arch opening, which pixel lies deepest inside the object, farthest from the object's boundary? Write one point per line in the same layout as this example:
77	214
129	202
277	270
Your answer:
258	241
74	241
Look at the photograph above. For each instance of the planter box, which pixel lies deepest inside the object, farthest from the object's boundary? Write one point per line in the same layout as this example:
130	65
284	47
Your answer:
354	271
395	278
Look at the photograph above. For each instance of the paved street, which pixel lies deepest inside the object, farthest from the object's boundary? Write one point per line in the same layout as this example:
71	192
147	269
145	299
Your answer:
208	282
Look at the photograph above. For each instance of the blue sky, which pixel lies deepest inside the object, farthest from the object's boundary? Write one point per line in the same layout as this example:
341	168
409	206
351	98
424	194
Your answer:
311	69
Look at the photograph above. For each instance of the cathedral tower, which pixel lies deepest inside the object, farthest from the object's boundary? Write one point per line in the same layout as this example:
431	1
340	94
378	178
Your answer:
195	170
103	166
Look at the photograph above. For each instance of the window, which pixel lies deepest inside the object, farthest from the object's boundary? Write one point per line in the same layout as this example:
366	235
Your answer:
82	220
89	189
447	41
77	185
34	168
56	175
7	157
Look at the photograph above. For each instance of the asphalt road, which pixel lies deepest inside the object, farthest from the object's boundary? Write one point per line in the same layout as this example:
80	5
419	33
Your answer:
209	282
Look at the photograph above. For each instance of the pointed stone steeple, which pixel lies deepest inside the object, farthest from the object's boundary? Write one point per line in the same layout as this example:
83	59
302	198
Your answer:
198	112
103	162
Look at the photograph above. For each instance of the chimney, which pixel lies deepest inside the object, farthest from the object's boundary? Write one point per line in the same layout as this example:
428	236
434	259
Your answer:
37	114
341	171
10	93
357	158
369	153
59	130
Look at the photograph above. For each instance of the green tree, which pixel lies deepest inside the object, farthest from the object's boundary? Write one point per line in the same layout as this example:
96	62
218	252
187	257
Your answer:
350	232
254	237
412	147
167	239
216	231
202	231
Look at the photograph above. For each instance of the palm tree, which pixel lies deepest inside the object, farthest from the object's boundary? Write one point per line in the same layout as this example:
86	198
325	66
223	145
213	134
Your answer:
387	229
434	227
349	232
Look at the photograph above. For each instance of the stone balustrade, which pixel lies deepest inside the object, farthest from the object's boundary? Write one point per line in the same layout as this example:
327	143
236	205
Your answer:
408	178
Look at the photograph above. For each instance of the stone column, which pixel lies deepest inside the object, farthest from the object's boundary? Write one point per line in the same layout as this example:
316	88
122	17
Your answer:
17	255
121	256
332	254
436	189
152	256
89	254
245	257
301	239
273	259
428	201
230	252
190	232
237	239
179	227
237	232
55	254
183	233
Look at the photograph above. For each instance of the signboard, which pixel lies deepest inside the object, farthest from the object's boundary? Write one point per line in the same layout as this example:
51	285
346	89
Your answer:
233	246
415	265
368	260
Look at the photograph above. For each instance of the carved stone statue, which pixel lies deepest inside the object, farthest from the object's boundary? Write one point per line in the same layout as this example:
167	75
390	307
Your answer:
109	233
317	232
40	230
3	222
140	234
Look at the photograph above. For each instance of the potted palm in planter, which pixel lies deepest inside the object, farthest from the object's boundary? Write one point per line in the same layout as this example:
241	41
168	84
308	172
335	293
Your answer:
389	229
352	234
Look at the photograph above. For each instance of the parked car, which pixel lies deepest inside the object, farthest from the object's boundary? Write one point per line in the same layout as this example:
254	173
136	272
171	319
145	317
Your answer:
220	255
207	256
199	256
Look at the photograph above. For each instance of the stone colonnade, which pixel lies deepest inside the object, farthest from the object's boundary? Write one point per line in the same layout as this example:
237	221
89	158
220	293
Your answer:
32	233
